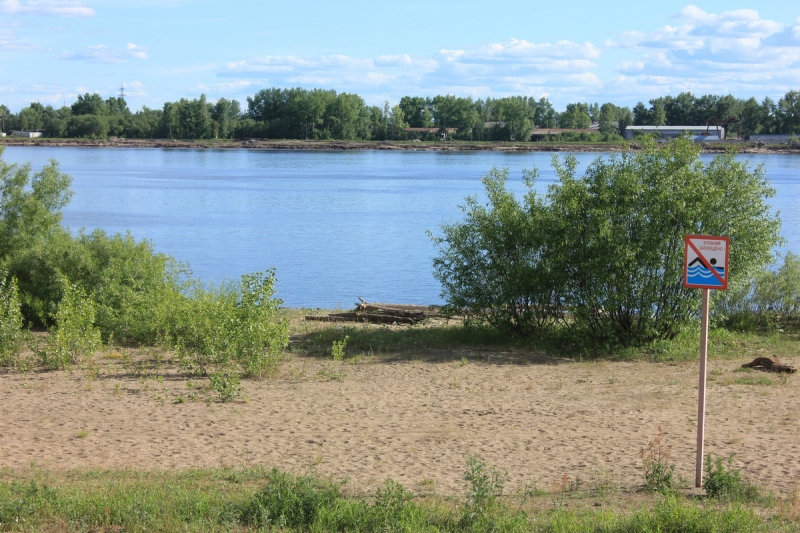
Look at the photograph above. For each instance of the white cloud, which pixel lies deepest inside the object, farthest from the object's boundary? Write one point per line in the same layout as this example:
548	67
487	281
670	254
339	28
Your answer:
494	69
103	54
54	8
735	51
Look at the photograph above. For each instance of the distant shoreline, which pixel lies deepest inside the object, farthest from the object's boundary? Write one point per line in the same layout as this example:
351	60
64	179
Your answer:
436	146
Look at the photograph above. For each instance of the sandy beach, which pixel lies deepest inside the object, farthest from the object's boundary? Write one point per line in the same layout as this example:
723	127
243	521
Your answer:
416	421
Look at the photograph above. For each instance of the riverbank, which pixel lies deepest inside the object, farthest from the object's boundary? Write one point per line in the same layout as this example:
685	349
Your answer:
440	146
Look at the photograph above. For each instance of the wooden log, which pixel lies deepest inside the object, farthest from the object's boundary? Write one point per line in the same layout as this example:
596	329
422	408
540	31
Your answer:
769	364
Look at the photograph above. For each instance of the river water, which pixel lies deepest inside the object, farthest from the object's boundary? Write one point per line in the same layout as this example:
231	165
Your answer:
335	225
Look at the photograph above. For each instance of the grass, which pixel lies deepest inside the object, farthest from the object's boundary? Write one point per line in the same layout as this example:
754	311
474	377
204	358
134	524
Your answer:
254	499
440	338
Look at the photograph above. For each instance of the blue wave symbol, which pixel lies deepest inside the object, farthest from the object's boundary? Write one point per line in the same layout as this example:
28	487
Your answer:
700	275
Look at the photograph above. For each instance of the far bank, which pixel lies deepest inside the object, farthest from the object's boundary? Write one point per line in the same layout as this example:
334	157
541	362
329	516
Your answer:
418	146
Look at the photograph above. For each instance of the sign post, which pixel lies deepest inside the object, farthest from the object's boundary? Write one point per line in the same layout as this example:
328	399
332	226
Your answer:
705	266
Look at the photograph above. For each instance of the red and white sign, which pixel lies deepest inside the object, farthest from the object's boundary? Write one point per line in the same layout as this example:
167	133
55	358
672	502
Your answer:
705	262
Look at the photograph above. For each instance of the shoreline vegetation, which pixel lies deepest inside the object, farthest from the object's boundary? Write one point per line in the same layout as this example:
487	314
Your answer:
418	146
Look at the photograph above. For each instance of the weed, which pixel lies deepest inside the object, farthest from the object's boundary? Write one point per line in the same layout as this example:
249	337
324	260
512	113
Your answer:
226	385
117	389
484	487
658	473
75	337
338	347
10	322
722	481
82	434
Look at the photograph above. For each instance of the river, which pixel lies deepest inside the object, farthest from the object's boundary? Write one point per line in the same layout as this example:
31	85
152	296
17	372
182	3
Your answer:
335	225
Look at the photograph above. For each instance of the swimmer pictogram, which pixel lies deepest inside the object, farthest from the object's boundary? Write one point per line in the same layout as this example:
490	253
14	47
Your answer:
706	262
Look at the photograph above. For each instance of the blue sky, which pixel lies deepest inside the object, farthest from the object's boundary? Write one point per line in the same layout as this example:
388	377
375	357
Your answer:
568	50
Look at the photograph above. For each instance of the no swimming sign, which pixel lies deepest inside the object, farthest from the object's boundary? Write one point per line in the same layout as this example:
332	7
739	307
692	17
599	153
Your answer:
705	264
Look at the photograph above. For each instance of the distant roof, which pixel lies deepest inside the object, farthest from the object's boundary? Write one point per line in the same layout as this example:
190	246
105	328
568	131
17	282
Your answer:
683	128
431	130
556	131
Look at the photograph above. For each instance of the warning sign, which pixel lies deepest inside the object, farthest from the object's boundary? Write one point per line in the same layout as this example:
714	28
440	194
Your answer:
705	264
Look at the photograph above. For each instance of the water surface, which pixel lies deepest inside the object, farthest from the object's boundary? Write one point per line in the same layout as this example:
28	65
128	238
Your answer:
335	225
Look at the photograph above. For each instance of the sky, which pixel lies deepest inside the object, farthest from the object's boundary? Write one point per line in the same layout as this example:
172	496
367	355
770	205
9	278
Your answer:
565	50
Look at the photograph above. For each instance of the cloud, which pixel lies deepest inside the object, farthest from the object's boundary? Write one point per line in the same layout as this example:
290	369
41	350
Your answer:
734	51
495	69
53	8
103	54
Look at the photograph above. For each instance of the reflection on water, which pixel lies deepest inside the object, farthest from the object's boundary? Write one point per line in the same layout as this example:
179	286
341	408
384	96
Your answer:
336	225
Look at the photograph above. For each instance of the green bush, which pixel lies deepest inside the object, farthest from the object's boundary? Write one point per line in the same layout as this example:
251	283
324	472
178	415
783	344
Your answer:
722	481
606	246
768	301
75	337
10	321
493	264
231	328
291	502
484	488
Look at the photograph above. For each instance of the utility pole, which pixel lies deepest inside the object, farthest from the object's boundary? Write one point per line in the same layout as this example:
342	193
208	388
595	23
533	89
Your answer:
122	91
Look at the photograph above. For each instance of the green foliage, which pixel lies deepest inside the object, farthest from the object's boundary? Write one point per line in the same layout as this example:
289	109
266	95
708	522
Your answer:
291	502
606	246
492	264
484	488
338	347
226	384
223	500
768	301
232	328
75	336
658	472
722	481
10	321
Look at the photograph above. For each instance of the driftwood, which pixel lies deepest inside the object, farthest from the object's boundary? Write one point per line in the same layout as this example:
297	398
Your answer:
378	313
769	364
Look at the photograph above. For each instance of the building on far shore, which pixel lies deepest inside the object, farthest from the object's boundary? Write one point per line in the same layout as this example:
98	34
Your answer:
697	133
427	131
29	134
2	134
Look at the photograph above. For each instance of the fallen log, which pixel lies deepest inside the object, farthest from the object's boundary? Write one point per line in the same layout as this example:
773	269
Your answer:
769	364
373	318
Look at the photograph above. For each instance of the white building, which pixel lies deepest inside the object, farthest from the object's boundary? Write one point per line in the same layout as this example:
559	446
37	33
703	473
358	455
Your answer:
697	133
29	134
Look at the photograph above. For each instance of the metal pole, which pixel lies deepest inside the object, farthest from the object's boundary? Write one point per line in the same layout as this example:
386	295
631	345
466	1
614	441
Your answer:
701	402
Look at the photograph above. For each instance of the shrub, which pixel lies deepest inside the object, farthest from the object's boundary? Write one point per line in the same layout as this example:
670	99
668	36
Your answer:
484	488
10	321
74	337
493	264
231	328
290	502
607	246
768	301
722	481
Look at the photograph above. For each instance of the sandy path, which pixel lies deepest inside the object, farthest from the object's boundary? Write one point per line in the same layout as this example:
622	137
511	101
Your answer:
417	422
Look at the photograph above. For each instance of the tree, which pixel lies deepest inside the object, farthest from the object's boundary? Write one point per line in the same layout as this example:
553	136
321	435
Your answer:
575	116
89	104
607	246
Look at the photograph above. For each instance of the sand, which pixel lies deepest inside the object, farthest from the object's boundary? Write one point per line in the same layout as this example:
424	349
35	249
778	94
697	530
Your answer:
416	421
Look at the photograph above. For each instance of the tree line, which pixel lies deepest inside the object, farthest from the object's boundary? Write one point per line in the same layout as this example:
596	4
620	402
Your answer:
323	114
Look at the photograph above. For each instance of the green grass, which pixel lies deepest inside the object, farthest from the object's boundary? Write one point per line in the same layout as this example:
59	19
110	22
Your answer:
257	499
442	339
